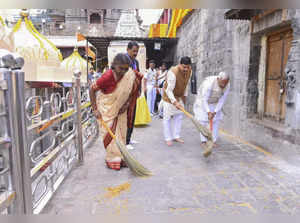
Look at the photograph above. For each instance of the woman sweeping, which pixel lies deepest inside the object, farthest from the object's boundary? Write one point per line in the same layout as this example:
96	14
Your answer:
118	90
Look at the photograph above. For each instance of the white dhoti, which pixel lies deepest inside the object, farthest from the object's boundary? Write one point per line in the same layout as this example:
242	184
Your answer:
172	127
172	121
172	116
202	116
215	132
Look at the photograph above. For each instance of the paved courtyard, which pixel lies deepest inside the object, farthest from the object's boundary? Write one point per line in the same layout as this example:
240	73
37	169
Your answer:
237	178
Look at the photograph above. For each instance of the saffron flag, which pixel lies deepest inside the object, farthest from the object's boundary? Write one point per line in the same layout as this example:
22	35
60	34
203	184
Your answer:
176	20
80	37
158	30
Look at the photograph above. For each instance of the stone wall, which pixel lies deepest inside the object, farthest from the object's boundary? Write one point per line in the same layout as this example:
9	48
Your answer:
216	44
207	38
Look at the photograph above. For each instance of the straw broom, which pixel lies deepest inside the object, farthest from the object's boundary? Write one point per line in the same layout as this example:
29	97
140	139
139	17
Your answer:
137	168
209	144
203	130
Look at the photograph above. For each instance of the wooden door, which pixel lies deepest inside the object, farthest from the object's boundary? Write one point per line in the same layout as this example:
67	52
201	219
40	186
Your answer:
279	45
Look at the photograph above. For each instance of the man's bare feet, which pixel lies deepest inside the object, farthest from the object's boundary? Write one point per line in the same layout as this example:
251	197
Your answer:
179	140
169	143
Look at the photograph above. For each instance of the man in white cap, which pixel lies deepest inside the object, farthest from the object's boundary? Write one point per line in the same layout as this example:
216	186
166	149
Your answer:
208	106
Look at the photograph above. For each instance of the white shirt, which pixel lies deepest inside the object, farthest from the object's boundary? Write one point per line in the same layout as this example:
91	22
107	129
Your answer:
170	109
161	76
205	91
150	77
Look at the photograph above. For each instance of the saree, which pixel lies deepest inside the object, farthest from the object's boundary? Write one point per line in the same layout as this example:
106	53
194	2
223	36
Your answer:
109	106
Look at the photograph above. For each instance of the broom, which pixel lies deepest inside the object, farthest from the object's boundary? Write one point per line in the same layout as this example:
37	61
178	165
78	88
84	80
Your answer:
209	144
137	168
204	131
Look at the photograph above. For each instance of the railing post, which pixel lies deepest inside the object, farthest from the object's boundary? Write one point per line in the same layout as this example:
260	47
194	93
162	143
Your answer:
26	164
10	87
77	74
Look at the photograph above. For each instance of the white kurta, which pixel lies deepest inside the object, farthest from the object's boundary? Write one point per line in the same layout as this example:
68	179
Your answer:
150	77
210	98
170	109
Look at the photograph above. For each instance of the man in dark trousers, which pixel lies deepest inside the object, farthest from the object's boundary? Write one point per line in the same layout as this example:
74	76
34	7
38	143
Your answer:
132	52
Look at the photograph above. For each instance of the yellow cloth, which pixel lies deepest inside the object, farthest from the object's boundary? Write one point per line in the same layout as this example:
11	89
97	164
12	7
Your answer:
142	116
176	21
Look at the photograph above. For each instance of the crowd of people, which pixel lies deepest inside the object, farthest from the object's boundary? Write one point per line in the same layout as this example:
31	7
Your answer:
114	97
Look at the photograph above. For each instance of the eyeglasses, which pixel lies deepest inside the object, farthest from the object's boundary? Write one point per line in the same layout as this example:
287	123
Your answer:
125	69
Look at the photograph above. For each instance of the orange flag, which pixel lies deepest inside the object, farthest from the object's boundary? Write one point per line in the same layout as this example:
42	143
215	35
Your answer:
158	30
176	21
80	37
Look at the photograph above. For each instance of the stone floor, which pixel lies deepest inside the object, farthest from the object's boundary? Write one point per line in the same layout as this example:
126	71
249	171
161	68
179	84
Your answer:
236	179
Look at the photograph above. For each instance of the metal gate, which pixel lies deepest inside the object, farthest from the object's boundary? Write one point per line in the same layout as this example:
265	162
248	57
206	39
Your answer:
42	137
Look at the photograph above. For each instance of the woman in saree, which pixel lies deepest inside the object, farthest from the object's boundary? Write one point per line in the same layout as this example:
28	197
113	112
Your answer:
117	91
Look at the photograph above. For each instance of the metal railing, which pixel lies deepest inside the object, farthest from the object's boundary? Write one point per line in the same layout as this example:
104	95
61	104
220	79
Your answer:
43	136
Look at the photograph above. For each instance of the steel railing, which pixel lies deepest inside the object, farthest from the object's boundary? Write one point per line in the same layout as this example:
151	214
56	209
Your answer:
43	136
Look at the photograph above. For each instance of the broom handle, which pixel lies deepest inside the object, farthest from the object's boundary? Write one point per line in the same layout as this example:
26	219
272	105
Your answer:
191	116
107	129
211	125
186	113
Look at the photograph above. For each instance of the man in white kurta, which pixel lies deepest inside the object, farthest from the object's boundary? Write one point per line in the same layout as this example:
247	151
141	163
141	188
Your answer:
210	99
175	92
160	82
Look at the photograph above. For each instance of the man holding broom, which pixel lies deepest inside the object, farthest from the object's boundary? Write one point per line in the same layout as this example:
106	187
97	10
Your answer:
118	89
208	106
174	96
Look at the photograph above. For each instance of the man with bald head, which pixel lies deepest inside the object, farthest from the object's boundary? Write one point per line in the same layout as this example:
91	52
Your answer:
210	100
